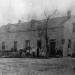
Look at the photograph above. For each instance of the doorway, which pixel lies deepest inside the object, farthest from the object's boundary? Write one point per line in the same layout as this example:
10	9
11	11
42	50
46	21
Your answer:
38	47
39	44
52	47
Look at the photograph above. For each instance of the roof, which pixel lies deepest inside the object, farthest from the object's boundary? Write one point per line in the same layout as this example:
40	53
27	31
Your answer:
25	26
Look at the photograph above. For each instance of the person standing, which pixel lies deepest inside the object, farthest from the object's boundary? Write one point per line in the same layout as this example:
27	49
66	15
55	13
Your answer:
38	52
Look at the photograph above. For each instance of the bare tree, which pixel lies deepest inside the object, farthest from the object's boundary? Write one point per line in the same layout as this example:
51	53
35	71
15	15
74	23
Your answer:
47	17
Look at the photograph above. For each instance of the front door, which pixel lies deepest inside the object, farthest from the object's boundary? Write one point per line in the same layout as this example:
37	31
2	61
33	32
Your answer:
52	47
39	44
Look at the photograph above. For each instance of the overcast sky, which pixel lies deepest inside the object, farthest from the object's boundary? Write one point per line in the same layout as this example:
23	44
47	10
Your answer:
13	10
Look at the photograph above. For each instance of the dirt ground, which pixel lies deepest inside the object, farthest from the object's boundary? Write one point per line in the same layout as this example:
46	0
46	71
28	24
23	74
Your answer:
29	66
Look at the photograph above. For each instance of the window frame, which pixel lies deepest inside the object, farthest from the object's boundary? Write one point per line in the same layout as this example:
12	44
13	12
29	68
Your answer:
27	43
74	27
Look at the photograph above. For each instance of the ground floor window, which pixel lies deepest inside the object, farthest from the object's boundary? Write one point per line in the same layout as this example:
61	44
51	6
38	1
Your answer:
3	45
69	43
15	45
27	43
74	48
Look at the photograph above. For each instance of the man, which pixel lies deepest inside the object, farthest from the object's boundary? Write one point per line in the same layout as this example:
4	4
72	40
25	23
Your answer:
33	51
38	51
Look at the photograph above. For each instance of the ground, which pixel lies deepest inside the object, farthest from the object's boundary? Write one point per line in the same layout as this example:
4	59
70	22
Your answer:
29	66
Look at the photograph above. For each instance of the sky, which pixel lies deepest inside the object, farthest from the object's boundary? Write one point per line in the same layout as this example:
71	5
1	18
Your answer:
13	10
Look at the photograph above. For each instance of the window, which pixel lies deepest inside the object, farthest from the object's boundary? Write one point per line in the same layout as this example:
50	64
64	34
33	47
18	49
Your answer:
15	45
33	23
3	45
74	47
27	43
73	27
69	43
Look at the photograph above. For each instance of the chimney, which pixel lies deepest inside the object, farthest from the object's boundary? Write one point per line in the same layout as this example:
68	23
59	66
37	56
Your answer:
69	13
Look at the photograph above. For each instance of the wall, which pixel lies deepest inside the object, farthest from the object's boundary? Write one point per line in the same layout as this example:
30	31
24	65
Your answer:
68	34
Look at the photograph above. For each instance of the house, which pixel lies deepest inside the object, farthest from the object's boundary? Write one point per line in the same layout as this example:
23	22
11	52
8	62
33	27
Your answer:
69	35
25	34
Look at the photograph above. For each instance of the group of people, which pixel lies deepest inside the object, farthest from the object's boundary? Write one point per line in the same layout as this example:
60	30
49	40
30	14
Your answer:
59	51
30	51
37	52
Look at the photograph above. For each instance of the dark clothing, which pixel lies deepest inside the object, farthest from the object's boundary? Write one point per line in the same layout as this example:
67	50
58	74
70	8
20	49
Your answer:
37	52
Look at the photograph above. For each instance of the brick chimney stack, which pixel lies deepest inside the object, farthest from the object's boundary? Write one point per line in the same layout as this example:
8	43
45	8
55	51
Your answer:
69	13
